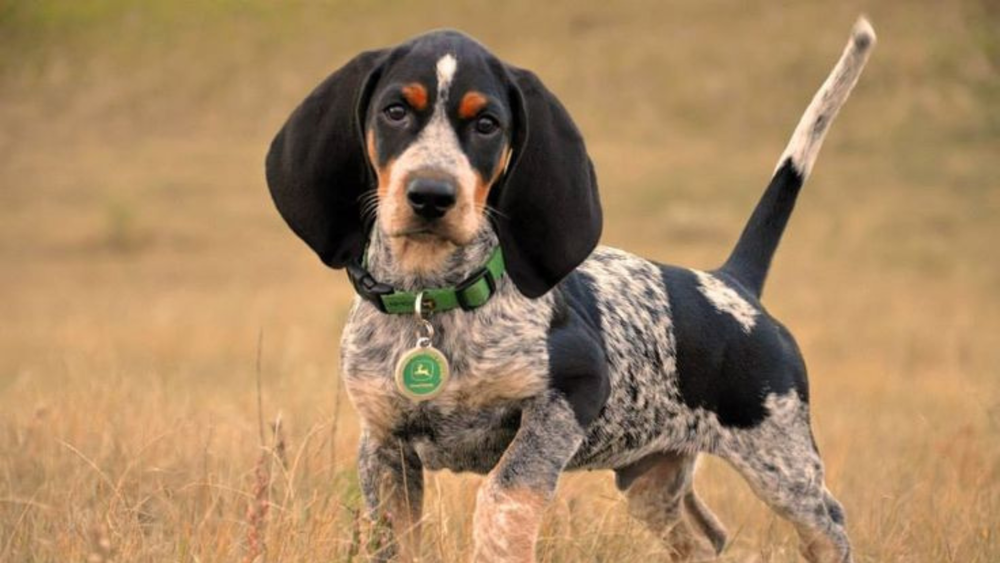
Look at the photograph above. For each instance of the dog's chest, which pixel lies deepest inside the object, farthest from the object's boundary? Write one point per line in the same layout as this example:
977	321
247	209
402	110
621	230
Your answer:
461	439
498	357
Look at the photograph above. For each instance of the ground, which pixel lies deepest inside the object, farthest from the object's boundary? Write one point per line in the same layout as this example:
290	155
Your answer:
143	267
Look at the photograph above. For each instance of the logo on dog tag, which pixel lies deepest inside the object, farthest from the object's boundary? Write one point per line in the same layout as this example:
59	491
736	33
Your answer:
422	373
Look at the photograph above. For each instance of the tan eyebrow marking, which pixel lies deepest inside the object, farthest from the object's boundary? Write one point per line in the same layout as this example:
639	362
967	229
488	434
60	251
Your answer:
471	104
416	95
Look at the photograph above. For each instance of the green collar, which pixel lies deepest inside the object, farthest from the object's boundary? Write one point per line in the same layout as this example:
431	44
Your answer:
471	293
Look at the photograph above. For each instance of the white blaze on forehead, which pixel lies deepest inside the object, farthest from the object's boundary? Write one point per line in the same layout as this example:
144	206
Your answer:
726	300
437	145
446	67
437	148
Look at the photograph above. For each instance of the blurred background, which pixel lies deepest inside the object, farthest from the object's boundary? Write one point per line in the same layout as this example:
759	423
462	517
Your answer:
147	284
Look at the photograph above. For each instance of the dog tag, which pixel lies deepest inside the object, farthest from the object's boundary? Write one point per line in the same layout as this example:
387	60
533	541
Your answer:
422	371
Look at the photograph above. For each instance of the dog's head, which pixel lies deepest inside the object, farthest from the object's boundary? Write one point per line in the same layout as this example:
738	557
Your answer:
435	137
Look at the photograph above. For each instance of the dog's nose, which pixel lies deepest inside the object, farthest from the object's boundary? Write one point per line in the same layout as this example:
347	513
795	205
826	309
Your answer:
430	197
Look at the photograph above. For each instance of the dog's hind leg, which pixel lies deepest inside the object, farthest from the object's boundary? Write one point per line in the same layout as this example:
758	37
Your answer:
660	493
705	521
779	460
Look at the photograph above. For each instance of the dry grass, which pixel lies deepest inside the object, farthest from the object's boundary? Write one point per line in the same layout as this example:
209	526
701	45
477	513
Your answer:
140	258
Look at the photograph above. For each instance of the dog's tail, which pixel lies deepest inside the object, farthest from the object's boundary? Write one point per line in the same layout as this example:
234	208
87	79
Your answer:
751	258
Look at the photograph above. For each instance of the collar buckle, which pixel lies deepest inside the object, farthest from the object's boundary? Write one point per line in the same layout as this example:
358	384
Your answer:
368	287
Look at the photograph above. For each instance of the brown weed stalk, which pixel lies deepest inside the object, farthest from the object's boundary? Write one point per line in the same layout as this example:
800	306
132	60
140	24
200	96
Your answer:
256	515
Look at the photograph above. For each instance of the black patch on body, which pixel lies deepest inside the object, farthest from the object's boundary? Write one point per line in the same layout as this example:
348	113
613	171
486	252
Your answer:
577	365
722	368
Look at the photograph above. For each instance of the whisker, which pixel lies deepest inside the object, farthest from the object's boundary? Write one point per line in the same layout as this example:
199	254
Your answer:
491	211
369	212
369	202
368	197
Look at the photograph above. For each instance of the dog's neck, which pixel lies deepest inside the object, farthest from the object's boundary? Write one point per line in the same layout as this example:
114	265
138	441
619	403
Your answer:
457	264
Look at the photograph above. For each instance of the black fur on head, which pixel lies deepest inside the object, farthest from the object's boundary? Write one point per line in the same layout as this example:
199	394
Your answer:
548	212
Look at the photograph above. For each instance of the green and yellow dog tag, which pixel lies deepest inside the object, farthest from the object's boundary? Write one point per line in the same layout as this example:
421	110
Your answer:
422	371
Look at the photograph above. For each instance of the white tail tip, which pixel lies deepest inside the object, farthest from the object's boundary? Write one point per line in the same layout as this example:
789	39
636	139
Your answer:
808	137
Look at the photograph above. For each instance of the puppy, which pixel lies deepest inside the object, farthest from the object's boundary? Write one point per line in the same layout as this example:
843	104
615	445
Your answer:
491	334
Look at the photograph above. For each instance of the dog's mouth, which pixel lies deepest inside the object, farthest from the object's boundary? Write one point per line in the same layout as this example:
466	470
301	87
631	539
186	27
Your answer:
426	233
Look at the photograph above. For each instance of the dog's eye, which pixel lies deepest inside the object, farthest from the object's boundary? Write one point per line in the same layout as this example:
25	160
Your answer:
486	125
395	112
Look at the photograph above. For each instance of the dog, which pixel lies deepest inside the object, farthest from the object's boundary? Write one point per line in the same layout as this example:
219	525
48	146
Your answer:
459	195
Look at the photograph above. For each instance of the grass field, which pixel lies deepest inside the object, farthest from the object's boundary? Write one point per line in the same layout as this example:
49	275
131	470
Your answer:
143	266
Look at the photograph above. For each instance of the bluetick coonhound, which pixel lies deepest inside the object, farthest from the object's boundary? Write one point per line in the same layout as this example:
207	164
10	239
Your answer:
410	166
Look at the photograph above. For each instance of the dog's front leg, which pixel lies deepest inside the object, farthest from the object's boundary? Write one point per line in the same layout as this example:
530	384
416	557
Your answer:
510	502
392	481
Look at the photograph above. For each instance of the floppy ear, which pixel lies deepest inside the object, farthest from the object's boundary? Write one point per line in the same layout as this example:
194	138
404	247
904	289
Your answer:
550	213
317	170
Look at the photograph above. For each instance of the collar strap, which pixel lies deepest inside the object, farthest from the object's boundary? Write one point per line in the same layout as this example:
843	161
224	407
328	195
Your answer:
473	292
